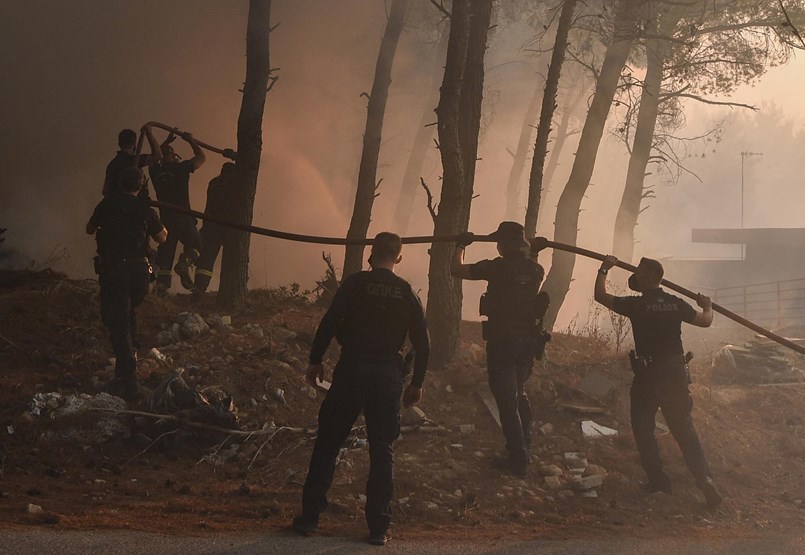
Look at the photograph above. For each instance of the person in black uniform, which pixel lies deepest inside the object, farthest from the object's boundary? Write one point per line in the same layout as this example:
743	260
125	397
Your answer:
219	194
513	332
122	223
370	316
171	179
661	374
127	141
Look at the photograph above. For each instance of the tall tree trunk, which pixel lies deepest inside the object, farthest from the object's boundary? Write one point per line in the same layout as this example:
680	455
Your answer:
459	120
629	210
559	144
235	259
546	117
557	283
513	186
422	141
376	110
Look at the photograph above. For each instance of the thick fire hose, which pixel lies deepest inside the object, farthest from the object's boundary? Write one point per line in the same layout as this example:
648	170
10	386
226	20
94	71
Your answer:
427	239
225	152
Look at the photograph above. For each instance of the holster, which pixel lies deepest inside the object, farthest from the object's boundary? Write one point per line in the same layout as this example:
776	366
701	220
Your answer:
541	339
639	364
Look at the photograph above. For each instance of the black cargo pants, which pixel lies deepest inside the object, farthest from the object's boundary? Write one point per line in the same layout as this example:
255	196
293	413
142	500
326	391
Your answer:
124	285
212	239
509	361
181	229
665	386
374	388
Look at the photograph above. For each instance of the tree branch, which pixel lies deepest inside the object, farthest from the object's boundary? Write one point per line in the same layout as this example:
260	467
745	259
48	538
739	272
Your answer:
441	8
431	208
708	101
791	24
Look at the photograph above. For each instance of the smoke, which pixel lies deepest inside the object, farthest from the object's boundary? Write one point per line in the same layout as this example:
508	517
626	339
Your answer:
75	73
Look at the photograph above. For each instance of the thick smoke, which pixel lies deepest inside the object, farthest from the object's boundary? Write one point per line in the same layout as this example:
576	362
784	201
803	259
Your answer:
75	73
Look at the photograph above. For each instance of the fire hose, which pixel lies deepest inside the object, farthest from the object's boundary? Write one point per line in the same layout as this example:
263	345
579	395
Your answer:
225	152
428	239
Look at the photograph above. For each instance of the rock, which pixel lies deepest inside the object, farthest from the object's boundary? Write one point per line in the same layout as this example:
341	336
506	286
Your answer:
595	470
163	338
588	482
466	428
226	320
473	354
565	494
281	334
155	354
546	429
456	447
256	331
552	483
479	455
311	392
361	498
87	431
192	325
431	505
34	509
551	470
413	416
278	395
448	388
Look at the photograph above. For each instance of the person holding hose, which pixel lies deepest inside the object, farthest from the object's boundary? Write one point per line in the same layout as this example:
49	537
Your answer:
661	375
171	179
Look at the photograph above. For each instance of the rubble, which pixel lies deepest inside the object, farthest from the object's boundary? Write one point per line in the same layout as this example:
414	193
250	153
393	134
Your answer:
758	362
102	427
593	430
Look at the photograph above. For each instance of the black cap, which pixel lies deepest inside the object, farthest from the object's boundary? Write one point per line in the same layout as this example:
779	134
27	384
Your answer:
510	234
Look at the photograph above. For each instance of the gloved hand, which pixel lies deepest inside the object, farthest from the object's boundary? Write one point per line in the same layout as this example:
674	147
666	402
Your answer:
465	239
538	244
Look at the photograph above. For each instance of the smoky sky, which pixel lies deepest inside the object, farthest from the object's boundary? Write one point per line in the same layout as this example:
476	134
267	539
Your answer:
72	74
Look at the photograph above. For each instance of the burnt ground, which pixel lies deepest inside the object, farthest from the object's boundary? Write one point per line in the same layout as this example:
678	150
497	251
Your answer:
163	480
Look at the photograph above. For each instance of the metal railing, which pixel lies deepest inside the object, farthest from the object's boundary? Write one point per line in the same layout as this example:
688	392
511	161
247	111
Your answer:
772	304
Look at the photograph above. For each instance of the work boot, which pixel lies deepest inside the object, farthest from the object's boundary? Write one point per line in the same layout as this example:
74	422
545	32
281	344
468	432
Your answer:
379	538
125	389
509	466
305	525
182	269
711	494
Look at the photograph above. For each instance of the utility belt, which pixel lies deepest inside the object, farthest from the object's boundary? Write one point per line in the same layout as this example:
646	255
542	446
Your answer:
647	366
104	265
491	330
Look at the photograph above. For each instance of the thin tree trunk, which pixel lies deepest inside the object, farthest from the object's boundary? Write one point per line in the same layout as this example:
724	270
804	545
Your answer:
558	281
459	119
629	210
546	117
235	259
513	186
559	144
367	175
422	141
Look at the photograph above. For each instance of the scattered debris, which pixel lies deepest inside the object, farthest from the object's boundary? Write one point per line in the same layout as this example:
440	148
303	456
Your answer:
69	409
598	385
466	428
593	430
757	362
584	409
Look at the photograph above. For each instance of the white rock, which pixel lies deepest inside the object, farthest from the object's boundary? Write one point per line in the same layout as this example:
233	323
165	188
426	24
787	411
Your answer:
553	483
466	428
34	509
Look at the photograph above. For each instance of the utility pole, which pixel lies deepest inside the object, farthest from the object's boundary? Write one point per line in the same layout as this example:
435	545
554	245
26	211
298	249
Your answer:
744	154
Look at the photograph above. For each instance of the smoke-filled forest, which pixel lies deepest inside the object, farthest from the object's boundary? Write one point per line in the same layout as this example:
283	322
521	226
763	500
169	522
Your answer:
636	148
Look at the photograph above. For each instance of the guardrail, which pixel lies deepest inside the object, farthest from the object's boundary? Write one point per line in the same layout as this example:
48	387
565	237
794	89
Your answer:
772	304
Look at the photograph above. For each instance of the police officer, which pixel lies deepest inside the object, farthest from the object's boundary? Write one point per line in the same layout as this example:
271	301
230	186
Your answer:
661	373
127	142
219	194
370	316
122	223
171	179
513	332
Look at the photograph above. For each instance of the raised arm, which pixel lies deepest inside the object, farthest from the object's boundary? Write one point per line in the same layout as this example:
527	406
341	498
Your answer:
704	318
156	151
601	294
457	268
198	154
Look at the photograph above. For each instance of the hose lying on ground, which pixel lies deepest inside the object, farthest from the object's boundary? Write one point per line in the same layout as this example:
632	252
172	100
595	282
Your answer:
427	239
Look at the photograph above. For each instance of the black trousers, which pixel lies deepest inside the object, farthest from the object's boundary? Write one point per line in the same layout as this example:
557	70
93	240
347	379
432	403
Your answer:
212	239
509	361
665	387
124	285
375	389
181	229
